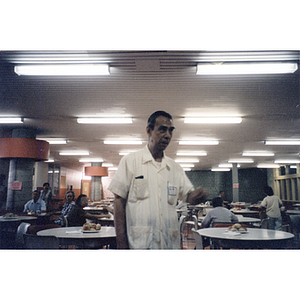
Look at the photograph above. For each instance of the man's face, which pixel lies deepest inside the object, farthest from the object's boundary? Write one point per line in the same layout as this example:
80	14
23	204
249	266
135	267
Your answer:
35	196
161	135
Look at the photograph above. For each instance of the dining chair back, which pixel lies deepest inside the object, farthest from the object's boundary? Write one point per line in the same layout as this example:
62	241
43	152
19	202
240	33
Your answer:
32	241
264	224
198	240
21	230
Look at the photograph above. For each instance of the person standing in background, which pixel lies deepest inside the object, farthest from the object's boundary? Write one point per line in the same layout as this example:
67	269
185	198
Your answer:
46	195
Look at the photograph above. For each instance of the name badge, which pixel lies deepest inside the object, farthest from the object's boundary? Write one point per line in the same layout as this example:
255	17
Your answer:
172	190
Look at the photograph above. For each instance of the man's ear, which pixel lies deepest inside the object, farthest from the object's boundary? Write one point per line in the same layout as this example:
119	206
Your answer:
148	130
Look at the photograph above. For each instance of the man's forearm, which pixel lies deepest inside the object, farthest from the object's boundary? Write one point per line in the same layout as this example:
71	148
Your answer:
120	222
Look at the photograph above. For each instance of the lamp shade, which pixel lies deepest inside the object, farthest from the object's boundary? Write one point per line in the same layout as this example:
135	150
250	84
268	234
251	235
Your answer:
96	171
24	148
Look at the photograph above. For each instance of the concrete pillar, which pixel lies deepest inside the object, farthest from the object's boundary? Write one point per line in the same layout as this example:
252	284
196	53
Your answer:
235	183
96	184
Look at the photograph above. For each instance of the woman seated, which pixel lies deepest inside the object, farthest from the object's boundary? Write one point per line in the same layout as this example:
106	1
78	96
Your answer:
218	214
77	215
69	197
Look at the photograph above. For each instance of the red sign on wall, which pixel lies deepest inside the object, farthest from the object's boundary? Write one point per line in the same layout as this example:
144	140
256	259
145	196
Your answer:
16	186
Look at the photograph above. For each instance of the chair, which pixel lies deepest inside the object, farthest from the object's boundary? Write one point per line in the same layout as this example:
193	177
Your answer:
22	229
198	240
32	241
264	224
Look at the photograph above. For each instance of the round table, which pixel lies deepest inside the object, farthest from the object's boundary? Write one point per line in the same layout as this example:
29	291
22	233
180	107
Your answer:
17	219
75	236
255	238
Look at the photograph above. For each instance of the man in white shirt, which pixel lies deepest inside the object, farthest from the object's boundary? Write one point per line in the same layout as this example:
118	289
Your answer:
36	205
272	204
147	186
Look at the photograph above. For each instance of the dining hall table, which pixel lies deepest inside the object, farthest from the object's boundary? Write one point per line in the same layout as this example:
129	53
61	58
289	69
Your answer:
241	219
83	239
253	238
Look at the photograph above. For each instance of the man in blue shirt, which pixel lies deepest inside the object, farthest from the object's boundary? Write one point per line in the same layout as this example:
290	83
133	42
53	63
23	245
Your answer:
36	204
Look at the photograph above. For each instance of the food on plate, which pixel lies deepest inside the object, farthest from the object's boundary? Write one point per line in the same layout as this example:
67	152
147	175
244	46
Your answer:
91	227
10	215
237	227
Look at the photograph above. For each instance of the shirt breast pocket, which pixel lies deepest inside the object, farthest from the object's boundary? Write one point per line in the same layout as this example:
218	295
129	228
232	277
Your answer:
172	195
141	188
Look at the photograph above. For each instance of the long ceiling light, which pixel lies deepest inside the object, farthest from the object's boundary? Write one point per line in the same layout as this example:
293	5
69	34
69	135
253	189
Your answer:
220	169
283	142
213	120
90	160
241	161
104	120
11	120
287	161
187	160
246	68
54	141
74	153
122	142
192	153
199	142
257	153
62	69
268	166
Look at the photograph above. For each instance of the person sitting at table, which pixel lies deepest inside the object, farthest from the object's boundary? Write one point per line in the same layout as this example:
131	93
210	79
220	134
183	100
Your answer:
218	214
77	215
35	205
69	197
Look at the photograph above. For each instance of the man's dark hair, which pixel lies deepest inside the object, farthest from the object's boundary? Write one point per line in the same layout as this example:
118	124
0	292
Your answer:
155	115
268	190
217	202
78	200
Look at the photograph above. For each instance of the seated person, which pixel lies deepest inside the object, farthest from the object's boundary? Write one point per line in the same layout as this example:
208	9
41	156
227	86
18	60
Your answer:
69	197
218	214
77	215
35	205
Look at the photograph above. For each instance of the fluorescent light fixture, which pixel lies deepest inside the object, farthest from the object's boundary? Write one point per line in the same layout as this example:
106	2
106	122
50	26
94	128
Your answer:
74	153
192	153
104	120
241	161
54	141
187	165
199	142
187	160
268	166
62	69
122	142
246	68
187	169
90	160
50	160
213	120
293	167
6	120
107	165
287	161
123	153
227	166
113	169
283	142
257	153
220	169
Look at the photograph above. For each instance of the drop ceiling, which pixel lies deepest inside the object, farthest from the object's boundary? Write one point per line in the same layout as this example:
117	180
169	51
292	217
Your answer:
141	82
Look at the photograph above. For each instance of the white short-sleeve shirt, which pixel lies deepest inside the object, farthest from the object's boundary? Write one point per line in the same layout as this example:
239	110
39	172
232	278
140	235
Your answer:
151	192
